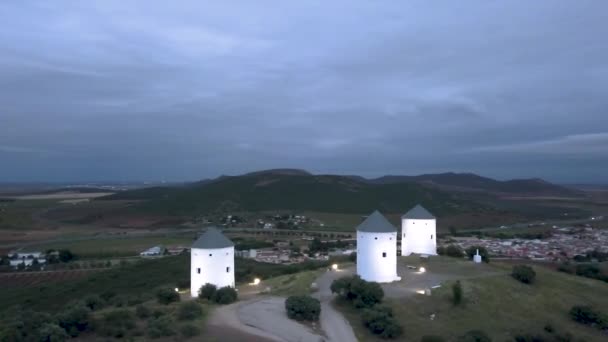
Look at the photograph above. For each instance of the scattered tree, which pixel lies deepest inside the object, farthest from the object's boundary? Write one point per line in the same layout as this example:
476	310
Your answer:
167	296
587	315
51	332
225	295
361	293
454	251
524	274
474	336
65	255
303	308
189	330
160	327
117	323
207	291
380	321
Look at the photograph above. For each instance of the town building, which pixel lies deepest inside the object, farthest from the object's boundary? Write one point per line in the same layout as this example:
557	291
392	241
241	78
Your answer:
418	232
377	249
211	261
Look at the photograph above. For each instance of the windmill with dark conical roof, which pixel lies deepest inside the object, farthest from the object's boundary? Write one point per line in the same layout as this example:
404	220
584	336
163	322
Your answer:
211	261
418	232
377	249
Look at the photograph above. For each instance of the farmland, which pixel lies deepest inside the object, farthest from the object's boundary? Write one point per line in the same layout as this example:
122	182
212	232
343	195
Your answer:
32	279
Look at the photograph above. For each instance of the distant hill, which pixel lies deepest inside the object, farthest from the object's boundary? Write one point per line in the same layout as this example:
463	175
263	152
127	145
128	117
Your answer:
272	190
472	182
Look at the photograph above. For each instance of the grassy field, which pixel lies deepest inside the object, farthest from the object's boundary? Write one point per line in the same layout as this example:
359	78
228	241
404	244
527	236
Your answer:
115	247
498	305
293	284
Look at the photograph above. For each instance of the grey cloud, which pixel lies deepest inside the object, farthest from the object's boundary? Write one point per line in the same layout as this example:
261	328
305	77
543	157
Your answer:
116	89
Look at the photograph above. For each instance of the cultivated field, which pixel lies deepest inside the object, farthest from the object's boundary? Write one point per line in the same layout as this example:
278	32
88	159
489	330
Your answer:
30	279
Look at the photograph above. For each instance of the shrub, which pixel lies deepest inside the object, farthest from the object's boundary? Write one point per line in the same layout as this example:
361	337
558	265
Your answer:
454	251
183	284
94	302
441	250
65	255
457	293
189	330
74	319
352	257
361	293
52	333
161	326
142	311
117	323
474	336
225	295
303	308
432	338
524	274
380	321
189	311
167	296
587	315
472	250
207	291
528	338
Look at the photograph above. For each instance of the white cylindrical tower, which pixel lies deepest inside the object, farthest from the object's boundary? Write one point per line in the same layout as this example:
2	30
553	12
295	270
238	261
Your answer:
418	232
211	261
377	249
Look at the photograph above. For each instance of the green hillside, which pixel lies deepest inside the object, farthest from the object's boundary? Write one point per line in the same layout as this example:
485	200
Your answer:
270	191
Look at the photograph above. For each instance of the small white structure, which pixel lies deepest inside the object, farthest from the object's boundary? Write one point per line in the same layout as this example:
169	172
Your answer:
26	258
154	251
211	261
418	232
477	257
377	249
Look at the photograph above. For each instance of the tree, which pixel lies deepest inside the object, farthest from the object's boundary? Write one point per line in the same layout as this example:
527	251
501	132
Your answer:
117	323
74	319
457	293
587	315
167	296
188	311
189	330
358	291
454	251
485	256
94	302
303	308
225	295
380	321
160	326
353	257
65	255
207	291
524	274
51	332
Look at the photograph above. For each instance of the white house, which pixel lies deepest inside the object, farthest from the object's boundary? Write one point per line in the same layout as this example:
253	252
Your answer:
26	258
211	261
418	232
377	249
153	251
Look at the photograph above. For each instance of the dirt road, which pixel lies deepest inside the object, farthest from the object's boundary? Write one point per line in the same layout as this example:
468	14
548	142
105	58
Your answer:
334	324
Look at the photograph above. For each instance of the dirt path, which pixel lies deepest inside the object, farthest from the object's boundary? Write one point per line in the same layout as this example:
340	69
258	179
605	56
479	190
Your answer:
336	327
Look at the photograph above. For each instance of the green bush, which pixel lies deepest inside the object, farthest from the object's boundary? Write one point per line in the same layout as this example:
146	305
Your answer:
441	250
188	311
189	330
523	273
117	323
94	302
432	338
167	296
74	319
207	291
380	321
361	293
454	251
352	257
457	293
142	311
485	256
225	295
52	333
474	336
160	327
587	315
303	308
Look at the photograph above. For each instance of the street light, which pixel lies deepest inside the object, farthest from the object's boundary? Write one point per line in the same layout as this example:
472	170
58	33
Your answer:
422	269
334	267
256	281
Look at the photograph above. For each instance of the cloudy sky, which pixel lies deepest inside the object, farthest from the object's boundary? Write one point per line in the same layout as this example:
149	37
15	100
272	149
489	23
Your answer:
170	90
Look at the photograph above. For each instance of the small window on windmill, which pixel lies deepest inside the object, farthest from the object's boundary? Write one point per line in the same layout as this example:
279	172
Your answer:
431	236
210	254
198	271
384	254
227	269
376	238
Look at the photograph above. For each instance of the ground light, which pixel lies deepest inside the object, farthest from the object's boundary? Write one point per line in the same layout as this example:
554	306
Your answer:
334	267
422	269
176	289
420	291
256	281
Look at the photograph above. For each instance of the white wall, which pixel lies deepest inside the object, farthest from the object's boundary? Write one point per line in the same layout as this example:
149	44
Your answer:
371	264
418	236
212	264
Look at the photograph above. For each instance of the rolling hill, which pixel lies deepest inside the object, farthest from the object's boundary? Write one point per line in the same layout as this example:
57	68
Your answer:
289	190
